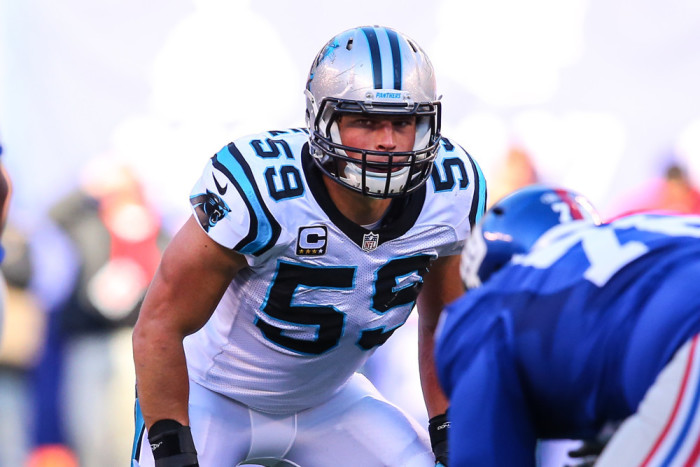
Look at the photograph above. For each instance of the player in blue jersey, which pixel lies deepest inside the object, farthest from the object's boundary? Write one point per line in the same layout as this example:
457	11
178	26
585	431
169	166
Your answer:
570	327
306	250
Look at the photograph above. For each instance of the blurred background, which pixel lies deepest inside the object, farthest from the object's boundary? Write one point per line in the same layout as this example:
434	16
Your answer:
110	109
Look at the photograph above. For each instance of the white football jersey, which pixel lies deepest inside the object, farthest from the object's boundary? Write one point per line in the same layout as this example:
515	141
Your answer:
320	293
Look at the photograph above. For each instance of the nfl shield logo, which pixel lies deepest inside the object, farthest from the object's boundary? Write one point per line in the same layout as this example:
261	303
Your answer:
370	241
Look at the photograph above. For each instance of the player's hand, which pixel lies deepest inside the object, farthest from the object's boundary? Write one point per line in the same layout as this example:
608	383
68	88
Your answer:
437	429
172	444
587	454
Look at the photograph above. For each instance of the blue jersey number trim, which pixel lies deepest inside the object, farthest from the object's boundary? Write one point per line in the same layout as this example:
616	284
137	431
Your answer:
397	283
448	181
274	146
290	179
328	321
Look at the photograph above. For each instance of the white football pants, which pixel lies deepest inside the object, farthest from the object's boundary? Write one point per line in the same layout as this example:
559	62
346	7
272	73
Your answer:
357	427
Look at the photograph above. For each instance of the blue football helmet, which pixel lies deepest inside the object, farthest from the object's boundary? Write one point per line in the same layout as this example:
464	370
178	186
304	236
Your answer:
380	72
514	224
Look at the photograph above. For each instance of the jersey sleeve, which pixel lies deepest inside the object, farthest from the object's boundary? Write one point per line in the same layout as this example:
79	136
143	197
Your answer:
457	180
478	193
490	414
229	206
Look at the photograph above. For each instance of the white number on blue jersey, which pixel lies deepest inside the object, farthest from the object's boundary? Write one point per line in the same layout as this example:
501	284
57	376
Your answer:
602	247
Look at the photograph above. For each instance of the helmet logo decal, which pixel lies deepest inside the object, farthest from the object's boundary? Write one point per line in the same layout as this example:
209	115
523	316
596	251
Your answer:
328	51
573	207
387	95
370	242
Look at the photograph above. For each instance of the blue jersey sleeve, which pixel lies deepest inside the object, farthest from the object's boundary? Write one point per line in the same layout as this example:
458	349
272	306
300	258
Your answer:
494	424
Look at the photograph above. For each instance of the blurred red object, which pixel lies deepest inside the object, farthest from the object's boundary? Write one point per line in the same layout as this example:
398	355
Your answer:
52	455
674	193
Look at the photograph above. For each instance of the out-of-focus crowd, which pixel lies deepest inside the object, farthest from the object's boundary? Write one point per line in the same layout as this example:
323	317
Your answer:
74	286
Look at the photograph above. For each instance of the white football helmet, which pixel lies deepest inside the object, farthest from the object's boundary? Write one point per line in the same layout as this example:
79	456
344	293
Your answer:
377	71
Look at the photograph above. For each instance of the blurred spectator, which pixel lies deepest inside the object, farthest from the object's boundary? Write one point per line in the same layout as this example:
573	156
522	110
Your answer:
21	339
5	195
12	439
516	171
674	193
96	257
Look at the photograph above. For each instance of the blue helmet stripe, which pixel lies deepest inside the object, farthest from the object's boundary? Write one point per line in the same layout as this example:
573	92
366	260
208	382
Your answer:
375	55
395	56
264	229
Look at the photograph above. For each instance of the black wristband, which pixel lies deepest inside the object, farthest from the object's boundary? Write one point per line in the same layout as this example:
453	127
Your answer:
437	429
172	444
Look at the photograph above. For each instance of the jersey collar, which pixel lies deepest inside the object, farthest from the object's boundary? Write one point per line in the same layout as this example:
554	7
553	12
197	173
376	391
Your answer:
401	216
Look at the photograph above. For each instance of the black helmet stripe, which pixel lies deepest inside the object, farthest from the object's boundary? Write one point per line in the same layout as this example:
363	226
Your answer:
395	56
375	55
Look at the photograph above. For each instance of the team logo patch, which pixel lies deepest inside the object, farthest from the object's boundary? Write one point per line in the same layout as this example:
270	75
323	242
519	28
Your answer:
370	241
312	240
210	209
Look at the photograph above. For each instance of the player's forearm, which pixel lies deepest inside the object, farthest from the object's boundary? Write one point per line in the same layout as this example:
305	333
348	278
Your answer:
161	374
436	402
441	285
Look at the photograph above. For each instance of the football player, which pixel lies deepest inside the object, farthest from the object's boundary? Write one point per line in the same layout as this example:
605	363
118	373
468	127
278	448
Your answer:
306	250
570	327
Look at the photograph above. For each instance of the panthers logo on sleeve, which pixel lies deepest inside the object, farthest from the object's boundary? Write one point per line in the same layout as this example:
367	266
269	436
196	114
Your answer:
210	208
